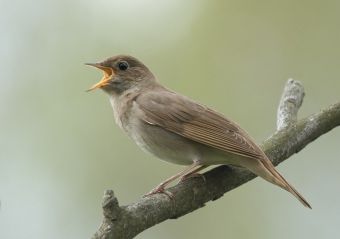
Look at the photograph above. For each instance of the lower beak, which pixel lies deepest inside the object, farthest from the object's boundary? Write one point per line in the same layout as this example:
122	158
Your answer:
108	73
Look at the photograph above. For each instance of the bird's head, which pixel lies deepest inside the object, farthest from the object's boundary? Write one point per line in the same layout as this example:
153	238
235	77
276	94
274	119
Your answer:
121	73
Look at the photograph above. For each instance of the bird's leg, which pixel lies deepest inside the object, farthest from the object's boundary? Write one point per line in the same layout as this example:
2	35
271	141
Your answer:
194	173
161	187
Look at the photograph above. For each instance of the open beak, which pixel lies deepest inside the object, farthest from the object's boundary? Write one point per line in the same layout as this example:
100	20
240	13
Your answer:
108	73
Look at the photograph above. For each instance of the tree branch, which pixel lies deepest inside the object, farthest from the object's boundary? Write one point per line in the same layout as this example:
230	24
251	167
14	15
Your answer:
291	137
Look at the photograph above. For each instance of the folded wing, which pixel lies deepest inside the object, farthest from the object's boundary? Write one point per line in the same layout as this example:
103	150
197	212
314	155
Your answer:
182	116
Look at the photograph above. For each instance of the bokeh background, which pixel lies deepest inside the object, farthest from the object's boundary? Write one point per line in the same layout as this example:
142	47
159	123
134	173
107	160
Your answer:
60	148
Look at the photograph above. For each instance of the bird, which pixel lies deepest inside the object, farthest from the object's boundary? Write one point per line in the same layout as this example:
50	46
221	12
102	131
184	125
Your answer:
177	129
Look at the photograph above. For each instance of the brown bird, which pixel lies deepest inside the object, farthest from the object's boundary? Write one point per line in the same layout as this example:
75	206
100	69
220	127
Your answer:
177	129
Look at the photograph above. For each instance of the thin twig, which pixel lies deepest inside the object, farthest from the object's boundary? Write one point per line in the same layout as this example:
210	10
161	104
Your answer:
289	105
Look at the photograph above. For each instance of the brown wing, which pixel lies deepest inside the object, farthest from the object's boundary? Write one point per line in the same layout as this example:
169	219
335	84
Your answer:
182	116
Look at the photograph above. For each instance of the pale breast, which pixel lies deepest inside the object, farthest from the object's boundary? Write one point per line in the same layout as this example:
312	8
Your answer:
116	110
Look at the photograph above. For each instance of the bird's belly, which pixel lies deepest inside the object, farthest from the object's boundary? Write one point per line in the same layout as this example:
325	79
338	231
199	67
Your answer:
163	144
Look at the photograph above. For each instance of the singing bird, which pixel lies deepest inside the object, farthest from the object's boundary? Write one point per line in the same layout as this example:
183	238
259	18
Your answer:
177	129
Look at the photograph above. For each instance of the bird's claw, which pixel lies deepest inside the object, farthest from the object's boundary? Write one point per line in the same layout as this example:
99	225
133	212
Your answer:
158	190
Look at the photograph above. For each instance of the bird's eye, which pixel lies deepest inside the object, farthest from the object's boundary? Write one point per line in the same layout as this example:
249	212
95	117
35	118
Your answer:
123	65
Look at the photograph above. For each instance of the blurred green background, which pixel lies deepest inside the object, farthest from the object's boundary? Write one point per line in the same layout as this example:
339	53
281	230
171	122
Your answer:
60	148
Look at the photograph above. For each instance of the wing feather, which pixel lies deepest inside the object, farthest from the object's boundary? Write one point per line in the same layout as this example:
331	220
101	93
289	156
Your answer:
182	116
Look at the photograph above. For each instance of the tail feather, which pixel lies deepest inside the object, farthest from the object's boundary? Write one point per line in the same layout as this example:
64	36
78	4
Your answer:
265	169
282	182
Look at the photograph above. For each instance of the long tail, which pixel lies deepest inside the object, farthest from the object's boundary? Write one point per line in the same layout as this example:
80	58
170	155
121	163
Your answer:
265	169
285	185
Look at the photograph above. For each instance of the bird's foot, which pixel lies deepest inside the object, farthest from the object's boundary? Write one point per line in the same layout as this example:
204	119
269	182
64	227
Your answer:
160	189
193	175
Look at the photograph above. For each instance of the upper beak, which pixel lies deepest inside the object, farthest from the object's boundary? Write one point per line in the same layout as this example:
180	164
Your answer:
108	73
